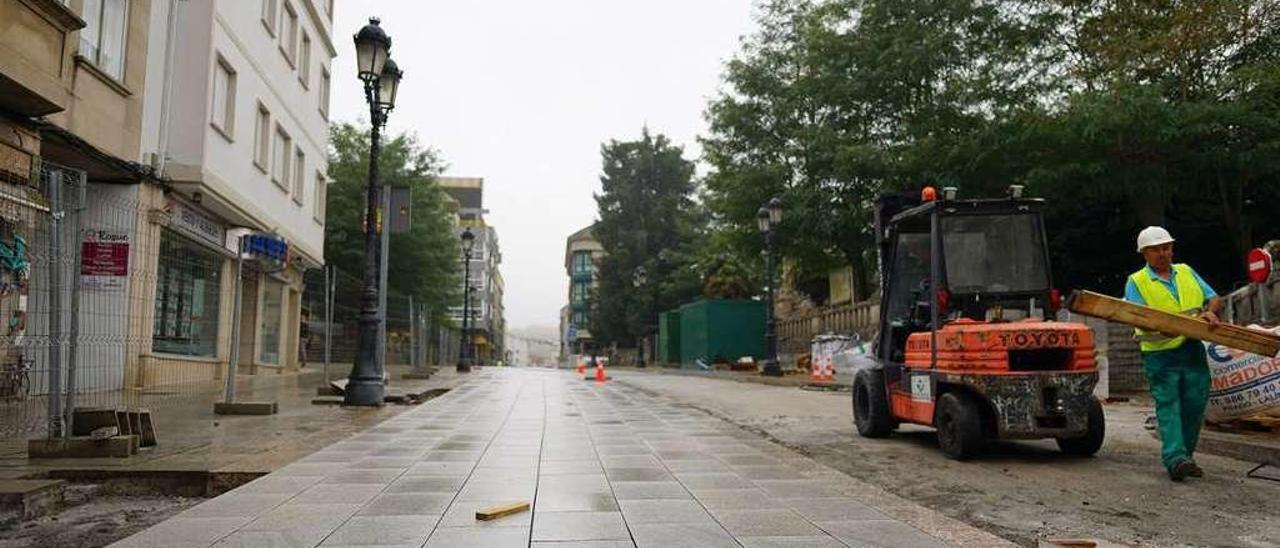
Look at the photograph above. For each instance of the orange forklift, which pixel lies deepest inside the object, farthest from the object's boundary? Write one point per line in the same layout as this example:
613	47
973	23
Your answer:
967	342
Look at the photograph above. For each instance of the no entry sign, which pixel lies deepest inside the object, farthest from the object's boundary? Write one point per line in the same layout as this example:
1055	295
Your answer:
1259	262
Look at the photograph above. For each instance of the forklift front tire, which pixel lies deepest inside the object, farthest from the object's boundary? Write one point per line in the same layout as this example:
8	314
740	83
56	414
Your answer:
871	412
959	424
1089	443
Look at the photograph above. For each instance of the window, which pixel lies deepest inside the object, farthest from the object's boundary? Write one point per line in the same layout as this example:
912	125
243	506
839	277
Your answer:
280	159
223	110
270	14
580	319
262	138
580	292
188	287
324	93
102	40
320	197
582	262
269	326
299	176
304	61
289	38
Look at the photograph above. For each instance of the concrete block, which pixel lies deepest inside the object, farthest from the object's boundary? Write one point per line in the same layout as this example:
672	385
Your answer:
245	408
418	376
74	448
87	419
328	391
327	400
147	436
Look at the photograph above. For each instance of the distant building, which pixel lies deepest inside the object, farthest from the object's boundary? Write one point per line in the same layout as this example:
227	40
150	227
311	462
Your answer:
581	253
488	320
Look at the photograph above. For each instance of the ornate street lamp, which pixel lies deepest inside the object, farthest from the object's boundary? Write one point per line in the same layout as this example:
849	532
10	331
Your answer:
767	220
464	350
381	80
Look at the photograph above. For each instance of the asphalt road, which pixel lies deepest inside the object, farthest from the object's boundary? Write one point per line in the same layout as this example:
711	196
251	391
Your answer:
1023	491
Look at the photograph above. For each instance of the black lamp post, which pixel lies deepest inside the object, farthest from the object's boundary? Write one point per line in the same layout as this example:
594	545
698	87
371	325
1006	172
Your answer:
381	79
639	279
464	350
767	220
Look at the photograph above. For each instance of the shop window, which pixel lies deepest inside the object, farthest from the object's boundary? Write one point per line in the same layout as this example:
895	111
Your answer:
270	323
188	286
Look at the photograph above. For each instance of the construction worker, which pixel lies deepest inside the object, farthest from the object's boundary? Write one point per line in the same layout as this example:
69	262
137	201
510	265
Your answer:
1176	368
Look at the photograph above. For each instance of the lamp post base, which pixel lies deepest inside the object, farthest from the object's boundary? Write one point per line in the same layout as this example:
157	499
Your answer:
772	369
463	368
364	393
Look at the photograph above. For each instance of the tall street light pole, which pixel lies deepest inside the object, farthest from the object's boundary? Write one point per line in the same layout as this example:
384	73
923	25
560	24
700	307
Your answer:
464	350
767	220
381	80
639	279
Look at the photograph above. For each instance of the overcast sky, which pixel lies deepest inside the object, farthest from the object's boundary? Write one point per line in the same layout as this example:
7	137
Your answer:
523	92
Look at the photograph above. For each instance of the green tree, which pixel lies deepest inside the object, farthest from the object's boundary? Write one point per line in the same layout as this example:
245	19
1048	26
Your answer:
646	220
425	261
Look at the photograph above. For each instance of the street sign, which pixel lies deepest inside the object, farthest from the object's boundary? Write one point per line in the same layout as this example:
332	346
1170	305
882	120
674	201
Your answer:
1259	262
571	334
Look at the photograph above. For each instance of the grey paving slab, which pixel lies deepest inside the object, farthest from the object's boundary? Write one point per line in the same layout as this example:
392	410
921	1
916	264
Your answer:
185	531
757	523
463	514
579	526
737	499
385	530
627	490
237	505
663	511
833	509
791	542
707	534
380	476
585	544
471	537
700	480
639	474
339	494
880	534
570	467
427	484
407	504
567	501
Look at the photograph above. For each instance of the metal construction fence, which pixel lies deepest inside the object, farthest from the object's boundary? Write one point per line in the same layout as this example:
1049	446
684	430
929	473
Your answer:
109	304
332	318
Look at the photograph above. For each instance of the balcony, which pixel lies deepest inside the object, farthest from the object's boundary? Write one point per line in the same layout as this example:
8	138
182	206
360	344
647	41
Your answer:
34	56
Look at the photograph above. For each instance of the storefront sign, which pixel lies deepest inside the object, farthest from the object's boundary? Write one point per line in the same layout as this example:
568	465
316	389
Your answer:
104	259
196	224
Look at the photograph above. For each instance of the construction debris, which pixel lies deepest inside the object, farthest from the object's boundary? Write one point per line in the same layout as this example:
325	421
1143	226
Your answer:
486	514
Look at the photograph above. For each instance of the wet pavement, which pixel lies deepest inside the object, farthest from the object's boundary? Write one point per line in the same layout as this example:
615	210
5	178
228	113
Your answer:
601	465
193	439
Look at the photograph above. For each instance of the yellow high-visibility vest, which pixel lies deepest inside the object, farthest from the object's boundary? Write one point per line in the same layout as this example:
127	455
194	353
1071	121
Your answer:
1190	301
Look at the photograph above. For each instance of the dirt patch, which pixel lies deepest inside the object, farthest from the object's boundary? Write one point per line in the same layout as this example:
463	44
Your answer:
107	519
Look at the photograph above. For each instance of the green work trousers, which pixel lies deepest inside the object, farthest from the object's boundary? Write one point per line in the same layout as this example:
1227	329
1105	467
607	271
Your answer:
1179	380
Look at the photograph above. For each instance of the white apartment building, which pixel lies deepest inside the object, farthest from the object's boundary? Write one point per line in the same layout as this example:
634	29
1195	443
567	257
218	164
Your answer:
235	119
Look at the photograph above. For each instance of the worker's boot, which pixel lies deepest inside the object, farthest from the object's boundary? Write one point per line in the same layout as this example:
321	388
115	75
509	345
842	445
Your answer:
1180	471
1196	471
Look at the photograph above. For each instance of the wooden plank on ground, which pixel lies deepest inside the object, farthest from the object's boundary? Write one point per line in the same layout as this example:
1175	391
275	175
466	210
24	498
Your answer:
1097	305
486	514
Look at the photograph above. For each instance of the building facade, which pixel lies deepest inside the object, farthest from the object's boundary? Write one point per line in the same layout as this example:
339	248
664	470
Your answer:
72	75
487	312
581	253
235	121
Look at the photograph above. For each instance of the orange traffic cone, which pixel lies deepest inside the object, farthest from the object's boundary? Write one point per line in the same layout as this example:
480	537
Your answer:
582	369
599	373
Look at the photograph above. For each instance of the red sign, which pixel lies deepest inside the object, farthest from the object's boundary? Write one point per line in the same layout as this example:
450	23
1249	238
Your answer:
1259	262
104	259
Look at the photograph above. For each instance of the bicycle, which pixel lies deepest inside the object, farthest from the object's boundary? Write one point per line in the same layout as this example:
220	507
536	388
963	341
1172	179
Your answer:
15	381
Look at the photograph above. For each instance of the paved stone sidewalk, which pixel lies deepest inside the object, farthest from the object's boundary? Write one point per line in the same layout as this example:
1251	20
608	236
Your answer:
604	466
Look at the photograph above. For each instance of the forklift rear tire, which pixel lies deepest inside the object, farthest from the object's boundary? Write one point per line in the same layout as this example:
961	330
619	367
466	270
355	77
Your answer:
871	412
959	424
1091	441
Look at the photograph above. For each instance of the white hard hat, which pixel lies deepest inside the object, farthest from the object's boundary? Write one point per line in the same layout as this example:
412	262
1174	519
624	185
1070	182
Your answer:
1153	235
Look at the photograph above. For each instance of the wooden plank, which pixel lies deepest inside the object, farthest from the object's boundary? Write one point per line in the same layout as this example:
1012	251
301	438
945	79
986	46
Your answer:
1097	305
486	514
